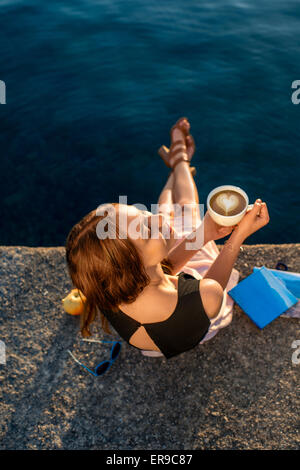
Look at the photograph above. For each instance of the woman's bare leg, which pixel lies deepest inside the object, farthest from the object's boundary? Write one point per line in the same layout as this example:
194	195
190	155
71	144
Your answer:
166	196
165	200
190	151
196	191
184	188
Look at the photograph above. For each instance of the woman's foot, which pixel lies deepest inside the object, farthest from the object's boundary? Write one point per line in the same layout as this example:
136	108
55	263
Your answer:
178	150
163	151
183	125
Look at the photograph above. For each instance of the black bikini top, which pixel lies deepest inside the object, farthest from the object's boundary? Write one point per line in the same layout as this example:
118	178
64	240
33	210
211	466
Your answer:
182	331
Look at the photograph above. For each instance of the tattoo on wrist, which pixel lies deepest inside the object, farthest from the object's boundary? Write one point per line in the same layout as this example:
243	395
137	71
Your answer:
228	246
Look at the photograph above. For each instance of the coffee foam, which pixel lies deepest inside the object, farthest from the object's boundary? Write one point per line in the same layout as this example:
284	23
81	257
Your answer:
227	202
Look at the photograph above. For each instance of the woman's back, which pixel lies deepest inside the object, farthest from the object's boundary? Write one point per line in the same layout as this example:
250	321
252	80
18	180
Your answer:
163	318
155	303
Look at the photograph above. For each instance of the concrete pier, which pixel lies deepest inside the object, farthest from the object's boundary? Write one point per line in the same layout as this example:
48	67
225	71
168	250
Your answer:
238	391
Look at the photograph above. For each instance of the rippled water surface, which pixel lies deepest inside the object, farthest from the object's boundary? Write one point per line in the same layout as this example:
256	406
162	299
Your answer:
94	86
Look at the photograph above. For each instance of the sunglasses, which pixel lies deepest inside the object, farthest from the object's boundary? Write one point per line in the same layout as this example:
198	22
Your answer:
103	367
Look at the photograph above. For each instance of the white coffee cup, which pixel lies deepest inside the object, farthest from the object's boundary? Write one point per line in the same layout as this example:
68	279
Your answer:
228	220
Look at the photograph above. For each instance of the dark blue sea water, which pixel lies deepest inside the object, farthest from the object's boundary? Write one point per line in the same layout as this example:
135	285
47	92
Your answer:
93	87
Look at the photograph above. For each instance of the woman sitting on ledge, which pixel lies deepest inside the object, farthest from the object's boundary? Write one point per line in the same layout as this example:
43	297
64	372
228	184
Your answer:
159	296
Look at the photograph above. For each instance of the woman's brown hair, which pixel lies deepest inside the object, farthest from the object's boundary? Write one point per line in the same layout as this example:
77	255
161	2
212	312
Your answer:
107	271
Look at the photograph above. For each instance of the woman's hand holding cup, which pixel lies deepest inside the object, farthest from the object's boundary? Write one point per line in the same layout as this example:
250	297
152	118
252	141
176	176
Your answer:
214	231
253	220
228	207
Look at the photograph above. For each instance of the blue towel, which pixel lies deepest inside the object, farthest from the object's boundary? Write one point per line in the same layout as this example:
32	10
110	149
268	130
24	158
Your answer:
263	296
291	280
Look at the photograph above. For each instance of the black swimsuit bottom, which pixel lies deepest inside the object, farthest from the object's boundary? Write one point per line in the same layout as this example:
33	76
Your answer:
182	331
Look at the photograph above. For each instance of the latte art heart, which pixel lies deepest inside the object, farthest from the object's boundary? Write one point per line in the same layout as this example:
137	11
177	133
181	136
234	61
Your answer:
227	202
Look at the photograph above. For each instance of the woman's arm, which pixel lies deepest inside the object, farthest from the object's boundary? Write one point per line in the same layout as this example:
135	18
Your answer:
255	219
221	269
208	230
222	266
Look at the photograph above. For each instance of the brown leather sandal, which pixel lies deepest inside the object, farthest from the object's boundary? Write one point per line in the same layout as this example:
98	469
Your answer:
178	147
184	126
181	124
163	152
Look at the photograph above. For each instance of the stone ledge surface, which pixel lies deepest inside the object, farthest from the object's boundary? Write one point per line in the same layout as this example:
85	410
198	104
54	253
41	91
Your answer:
237	391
